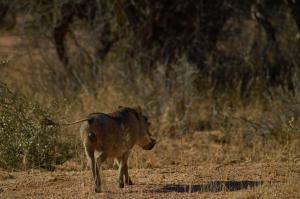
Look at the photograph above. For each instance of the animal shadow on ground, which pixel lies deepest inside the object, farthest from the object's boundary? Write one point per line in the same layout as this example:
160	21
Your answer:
213	186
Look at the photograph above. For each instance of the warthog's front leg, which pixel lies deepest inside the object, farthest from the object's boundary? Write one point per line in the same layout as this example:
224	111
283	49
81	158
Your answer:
99	160
127	178
123	171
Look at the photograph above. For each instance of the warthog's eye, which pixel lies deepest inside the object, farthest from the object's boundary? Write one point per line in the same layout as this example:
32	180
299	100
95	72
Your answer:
146	120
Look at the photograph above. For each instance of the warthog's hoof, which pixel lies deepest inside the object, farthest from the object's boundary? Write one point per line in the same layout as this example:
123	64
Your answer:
98	190
129	182
121	185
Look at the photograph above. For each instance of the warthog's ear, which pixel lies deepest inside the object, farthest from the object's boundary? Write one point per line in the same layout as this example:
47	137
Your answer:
138	109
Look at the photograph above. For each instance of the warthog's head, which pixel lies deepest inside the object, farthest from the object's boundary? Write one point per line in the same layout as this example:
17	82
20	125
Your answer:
145	139
147	142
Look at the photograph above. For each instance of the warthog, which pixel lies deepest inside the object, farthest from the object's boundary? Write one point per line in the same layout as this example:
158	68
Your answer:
112	136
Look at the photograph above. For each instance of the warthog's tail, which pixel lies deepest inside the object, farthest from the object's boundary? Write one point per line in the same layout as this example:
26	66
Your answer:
49	122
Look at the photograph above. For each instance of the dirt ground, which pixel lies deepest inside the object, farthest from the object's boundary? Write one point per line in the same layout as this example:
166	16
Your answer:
176	168
204	181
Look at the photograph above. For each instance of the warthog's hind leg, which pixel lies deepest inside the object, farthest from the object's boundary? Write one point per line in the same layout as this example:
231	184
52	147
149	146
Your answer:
100	158
91	160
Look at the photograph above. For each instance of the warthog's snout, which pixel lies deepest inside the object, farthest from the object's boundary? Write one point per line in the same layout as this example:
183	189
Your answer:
150	145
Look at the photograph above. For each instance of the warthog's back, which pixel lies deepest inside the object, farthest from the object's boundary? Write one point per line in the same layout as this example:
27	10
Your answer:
112	133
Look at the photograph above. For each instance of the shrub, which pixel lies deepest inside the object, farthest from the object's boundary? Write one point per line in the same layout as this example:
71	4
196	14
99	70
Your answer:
24	142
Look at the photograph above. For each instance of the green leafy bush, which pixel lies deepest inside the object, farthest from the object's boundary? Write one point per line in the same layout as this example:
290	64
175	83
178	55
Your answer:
24	141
